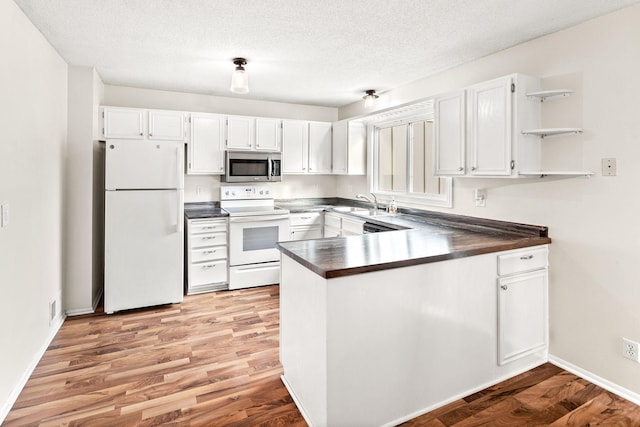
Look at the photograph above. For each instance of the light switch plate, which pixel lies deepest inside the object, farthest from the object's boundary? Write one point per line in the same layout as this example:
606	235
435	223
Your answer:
609	167
4	214
480	196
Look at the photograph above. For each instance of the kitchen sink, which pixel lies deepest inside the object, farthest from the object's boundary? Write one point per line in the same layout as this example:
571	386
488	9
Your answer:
351	209
367	212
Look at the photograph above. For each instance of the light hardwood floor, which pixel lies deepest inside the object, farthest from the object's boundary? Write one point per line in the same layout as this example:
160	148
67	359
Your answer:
213	361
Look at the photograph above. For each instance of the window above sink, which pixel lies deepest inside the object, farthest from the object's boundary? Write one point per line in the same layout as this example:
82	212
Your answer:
401	156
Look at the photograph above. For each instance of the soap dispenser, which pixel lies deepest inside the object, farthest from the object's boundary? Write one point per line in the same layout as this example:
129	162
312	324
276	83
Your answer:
392	208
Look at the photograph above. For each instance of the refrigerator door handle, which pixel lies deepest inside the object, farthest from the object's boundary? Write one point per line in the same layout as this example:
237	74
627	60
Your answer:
178	216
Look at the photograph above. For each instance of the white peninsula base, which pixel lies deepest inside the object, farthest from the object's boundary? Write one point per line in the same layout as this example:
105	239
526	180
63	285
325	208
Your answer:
380	348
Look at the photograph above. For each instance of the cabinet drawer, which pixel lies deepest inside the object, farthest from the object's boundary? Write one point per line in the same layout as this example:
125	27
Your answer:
207	272
310	218
208	226
208	254
523	260
208	239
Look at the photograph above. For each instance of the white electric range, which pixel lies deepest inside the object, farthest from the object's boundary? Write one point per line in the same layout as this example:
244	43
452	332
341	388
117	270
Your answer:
255	226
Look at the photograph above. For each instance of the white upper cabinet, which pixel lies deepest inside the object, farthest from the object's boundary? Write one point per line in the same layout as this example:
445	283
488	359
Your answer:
251	133
138	123
306	147
240	133
123	123
168	125
349	155
268	134
319	147
478	131
449	114
205	155
490	127
295	146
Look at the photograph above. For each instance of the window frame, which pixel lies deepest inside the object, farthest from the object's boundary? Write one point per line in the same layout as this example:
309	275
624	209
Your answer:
397	118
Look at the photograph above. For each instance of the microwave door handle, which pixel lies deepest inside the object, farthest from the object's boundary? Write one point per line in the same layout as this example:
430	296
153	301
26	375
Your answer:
270	168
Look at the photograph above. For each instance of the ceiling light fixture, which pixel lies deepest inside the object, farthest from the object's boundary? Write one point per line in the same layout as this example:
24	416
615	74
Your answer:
240	78
370	98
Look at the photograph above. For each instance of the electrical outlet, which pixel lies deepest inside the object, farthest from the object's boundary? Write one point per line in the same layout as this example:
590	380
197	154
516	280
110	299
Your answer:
480	197
609	167
630	349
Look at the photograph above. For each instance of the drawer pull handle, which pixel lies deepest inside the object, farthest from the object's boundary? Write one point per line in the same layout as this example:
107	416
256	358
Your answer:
209	238
526	257
209	252
504	287
206	267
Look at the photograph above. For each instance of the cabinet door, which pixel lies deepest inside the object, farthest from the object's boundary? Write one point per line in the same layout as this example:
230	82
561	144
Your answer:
339	142
490	127
167	125
268	134
240	132
123	123
522	315
206	144
319	147
449	134
295	142
349	148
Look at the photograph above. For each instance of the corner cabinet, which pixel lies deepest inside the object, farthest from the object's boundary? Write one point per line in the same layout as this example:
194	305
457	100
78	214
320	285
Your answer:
205	150
306	147
349	155
478	130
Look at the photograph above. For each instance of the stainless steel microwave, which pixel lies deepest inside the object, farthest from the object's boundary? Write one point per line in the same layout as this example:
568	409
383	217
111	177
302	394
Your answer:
252	166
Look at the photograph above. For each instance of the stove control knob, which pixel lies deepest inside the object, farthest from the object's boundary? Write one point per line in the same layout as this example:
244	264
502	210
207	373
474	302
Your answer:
226	193
233	193
261	192
267	192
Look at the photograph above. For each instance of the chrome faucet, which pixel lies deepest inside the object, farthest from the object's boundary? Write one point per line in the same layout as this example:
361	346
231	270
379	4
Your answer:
374	202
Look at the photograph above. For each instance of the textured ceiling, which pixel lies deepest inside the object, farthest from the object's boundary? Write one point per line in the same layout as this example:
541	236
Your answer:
312	52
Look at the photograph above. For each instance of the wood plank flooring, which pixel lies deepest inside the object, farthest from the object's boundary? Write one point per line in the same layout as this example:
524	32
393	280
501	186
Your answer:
213	361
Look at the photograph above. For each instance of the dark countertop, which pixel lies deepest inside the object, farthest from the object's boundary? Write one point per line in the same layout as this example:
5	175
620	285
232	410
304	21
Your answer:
201	210
434	236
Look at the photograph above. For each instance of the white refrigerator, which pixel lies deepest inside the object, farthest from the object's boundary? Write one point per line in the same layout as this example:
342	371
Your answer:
144	193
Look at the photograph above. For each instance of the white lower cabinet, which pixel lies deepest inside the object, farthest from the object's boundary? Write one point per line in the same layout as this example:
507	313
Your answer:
336	225
306	225
522	303
206	254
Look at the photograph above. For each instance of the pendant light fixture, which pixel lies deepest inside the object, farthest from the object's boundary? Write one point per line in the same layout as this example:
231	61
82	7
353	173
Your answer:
370	98
239	78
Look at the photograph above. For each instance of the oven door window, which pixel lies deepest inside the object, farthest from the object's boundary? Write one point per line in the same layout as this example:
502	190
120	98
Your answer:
259	238
248	167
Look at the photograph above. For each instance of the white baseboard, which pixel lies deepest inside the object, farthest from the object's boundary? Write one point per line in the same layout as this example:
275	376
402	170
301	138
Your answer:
593	378
13	396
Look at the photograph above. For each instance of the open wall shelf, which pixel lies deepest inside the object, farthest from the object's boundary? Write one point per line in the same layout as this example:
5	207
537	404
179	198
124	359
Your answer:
547	94
551	131
568	174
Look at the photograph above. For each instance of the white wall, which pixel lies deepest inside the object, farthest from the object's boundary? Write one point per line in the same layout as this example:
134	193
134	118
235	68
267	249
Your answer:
33	119
83	266
206	188
594	258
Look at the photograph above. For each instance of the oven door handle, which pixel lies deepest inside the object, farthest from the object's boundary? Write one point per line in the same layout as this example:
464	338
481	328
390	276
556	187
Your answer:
259	218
